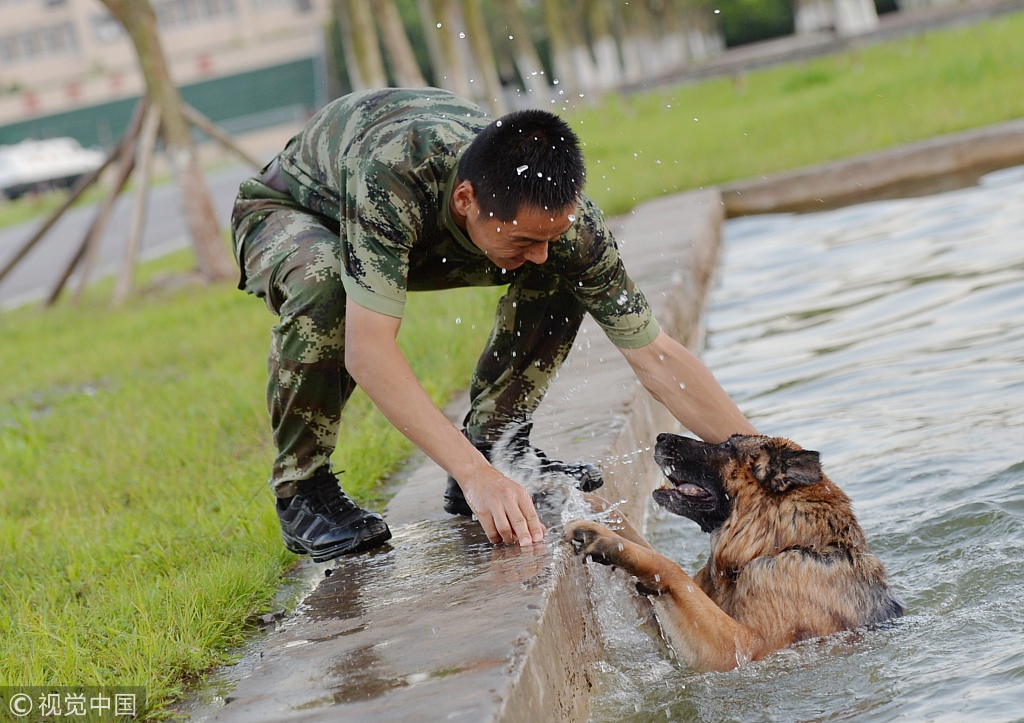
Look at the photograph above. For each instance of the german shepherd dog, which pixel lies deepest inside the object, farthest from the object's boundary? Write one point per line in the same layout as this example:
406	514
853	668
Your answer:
788	560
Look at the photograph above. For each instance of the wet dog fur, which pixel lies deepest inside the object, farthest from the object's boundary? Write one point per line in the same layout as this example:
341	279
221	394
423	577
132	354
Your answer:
788	559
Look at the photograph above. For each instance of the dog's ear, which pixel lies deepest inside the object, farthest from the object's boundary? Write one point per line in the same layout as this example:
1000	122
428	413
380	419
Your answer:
800	467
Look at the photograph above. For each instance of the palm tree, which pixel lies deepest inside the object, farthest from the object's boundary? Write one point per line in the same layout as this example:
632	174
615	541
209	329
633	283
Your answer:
403	63
561	47
608	68
440	23
483	55
524	52
363	58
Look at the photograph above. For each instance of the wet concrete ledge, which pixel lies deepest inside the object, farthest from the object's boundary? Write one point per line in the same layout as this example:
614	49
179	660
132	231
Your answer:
938	164
441	625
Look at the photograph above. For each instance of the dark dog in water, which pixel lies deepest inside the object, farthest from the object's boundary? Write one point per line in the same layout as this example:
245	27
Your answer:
788	560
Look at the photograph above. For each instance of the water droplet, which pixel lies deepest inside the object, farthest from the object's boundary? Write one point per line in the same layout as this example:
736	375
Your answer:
462	35
621	547
657	577
572	218
439	25
521	170
498	123
458	320
509	37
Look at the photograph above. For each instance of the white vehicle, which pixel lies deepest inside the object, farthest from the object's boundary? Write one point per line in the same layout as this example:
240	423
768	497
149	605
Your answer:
39	165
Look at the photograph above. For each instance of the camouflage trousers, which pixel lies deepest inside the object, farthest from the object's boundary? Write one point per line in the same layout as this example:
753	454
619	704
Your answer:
292	260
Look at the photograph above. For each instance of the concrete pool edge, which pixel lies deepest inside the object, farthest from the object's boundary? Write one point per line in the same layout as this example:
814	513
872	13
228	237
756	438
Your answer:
924	167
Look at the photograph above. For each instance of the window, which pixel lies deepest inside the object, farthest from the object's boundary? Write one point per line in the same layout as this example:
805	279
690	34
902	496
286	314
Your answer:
181	13
105	28
58	39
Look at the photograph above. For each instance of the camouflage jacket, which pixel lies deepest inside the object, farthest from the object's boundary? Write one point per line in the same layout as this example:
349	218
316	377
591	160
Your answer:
381	165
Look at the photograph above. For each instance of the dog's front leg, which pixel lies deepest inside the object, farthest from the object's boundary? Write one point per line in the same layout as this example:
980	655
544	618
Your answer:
700	631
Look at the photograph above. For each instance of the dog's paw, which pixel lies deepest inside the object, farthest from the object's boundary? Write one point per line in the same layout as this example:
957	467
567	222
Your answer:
590	539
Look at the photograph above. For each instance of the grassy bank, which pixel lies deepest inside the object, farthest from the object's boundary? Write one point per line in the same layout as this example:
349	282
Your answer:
136	531
729	128
136	534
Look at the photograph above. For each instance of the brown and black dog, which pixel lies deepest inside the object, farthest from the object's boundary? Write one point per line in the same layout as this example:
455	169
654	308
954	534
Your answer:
788	560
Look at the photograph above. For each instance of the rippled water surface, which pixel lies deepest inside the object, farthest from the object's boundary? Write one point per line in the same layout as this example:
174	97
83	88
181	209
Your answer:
889	337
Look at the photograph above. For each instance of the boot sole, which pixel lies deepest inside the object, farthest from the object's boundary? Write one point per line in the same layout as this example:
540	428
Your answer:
357	544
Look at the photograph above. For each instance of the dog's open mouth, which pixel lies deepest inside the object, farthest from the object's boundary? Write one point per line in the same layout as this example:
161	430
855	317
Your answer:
689	489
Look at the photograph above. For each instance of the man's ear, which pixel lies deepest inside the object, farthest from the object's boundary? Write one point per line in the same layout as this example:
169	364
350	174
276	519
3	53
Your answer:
463	197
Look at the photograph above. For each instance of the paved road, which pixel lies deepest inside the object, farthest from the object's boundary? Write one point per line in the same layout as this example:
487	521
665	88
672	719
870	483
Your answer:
38	273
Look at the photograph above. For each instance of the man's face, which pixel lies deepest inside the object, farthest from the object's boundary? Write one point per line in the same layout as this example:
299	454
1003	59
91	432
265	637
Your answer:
510	244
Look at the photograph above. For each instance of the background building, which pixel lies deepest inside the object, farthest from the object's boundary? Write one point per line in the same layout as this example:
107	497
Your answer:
67	67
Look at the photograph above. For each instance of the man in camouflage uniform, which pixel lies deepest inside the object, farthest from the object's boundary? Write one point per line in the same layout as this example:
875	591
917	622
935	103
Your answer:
389	191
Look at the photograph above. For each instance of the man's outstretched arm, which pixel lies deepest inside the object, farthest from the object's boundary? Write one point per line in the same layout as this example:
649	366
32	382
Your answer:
374	360
681	382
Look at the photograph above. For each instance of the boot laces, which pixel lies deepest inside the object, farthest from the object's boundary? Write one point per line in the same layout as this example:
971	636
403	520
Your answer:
332	498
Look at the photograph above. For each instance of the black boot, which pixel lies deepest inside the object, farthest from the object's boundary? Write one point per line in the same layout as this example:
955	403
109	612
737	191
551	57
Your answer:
534	462
323	522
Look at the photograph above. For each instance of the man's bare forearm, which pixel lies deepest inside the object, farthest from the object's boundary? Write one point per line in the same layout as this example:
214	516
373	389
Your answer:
376	363
689	390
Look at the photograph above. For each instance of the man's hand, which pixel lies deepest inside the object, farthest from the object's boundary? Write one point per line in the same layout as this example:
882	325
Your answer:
374	360
503	507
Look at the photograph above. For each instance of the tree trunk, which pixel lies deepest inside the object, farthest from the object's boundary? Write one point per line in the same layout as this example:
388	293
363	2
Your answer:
703	38
561	50
524	53
399	50
583	61
673	34
632	49
440	20
606	51
356	81
640	29
483	54
213	260
365	48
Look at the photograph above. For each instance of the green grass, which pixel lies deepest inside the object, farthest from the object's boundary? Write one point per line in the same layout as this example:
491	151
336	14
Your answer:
137	536
725	129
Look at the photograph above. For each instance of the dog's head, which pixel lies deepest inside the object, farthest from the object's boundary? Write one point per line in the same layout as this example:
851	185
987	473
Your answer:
706	477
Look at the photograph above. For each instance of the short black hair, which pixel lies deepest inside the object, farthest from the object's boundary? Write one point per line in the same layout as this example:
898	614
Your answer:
525	158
